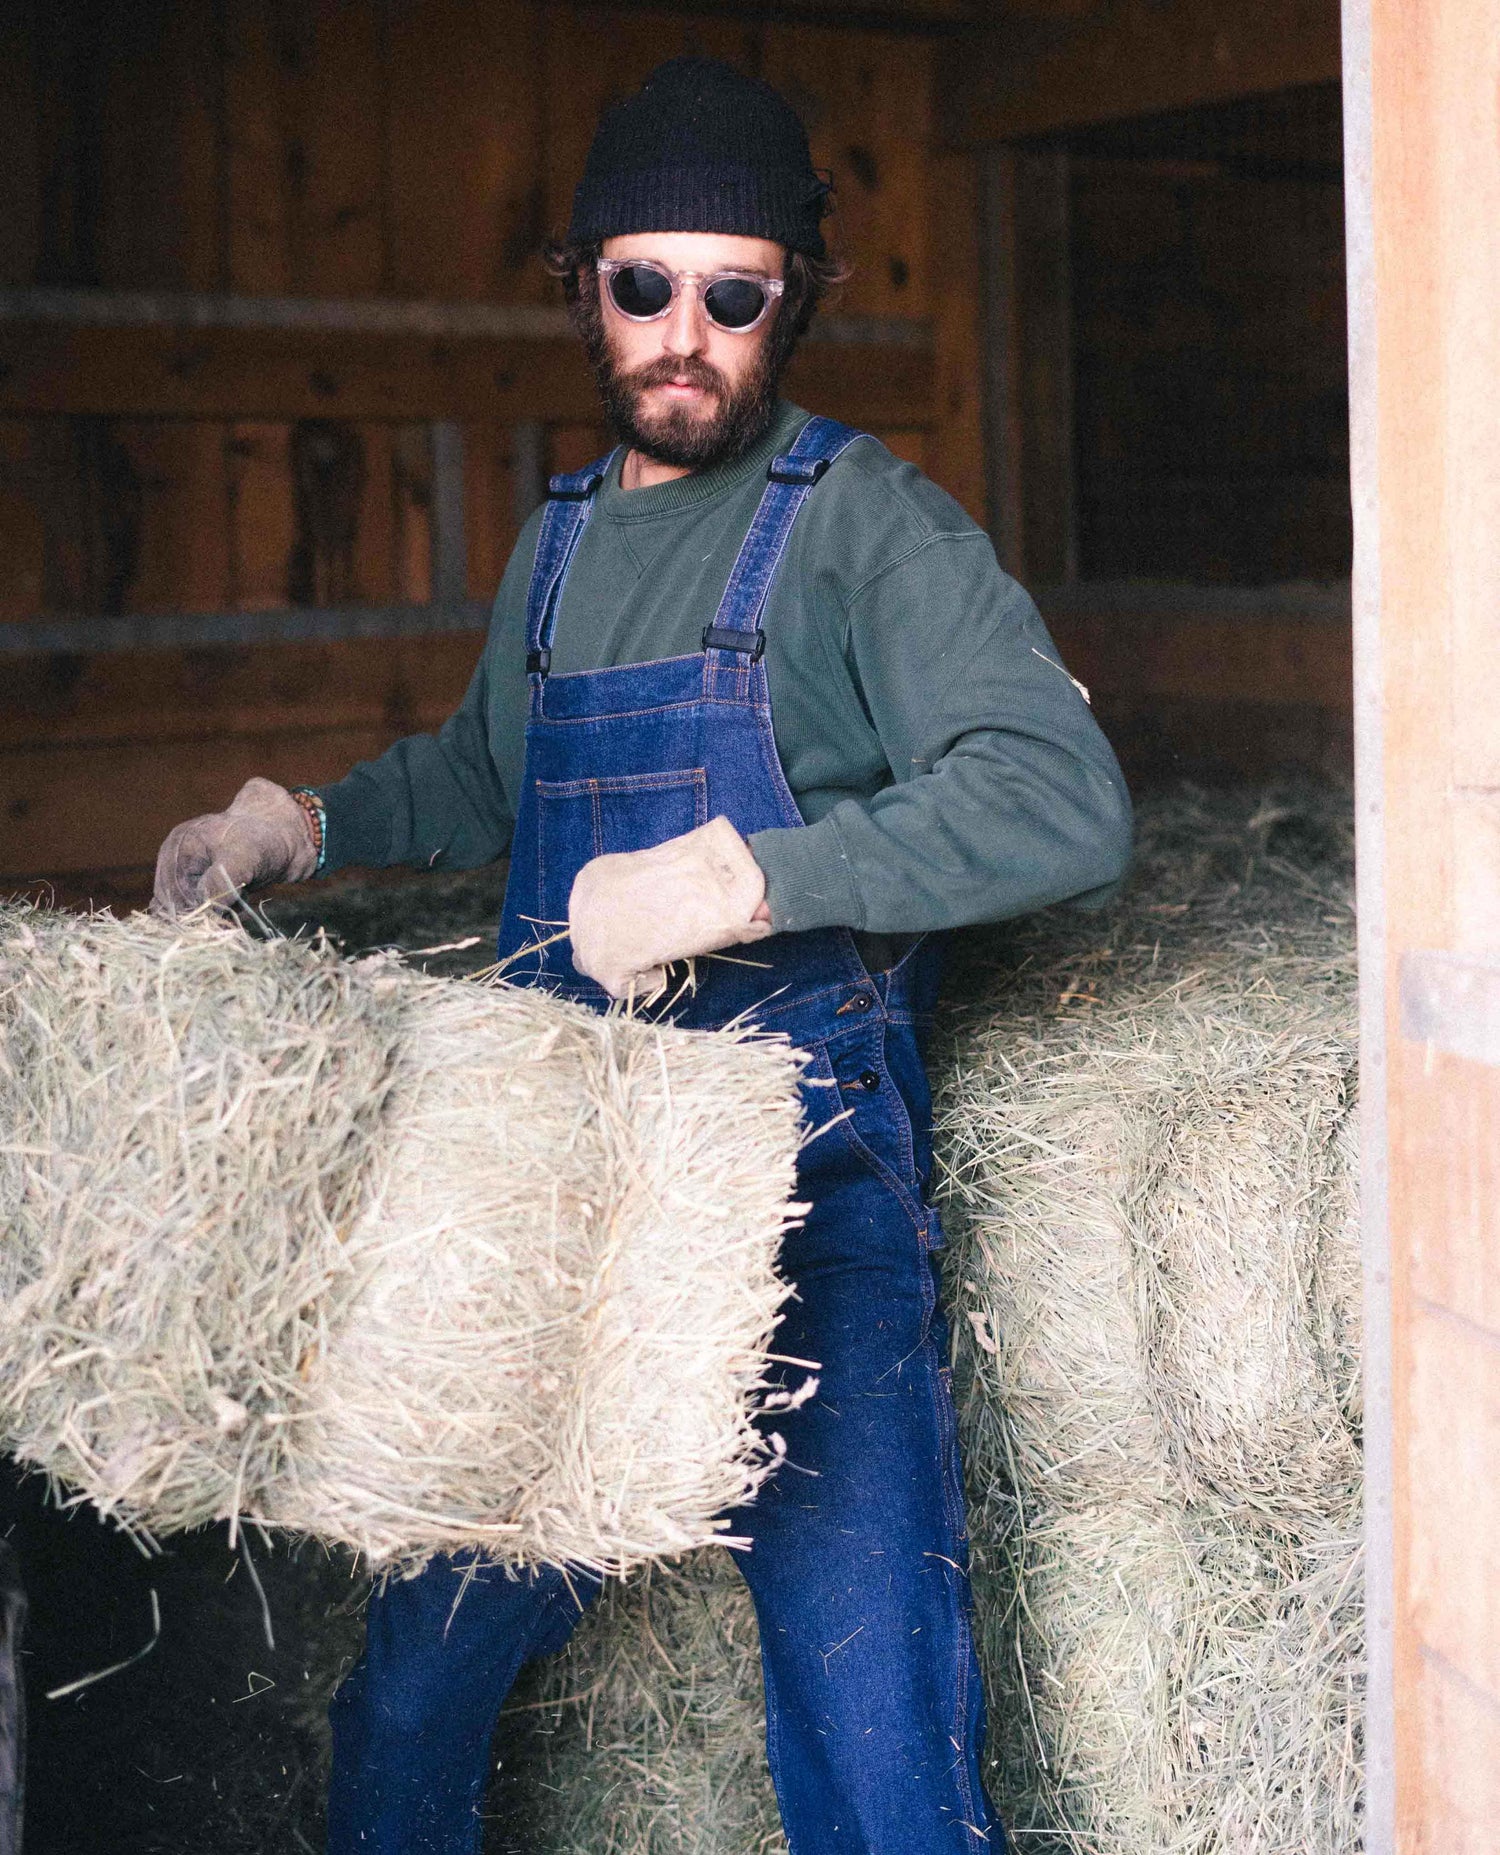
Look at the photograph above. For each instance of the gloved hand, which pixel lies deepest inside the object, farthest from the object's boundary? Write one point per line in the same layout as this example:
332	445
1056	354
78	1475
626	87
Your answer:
265	836
631	914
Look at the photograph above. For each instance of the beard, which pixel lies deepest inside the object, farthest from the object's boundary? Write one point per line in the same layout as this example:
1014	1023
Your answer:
686	440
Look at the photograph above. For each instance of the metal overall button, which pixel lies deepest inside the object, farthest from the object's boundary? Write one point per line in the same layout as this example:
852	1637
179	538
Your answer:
861	1001
866	1079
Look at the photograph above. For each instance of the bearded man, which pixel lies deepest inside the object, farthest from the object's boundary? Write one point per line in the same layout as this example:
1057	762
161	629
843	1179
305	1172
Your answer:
750	679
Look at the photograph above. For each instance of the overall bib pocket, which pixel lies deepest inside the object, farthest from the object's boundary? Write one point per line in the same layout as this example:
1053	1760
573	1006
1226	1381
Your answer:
579	819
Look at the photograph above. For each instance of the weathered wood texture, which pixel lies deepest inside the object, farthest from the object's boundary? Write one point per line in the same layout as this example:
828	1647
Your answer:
310	149
1061	64
1200	684
101	754
1428	491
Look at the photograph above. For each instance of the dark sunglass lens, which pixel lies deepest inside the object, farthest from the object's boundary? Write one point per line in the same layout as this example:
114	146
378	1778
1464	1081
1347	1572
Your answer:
734	302
640	291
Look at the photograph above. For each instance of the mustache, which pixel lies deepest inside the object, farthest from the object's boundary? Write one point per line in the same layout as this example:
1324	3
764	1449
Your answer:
667	368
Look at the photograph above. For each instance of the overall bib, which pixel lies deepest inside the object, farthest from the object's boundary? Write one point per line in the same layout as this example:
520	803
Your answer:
858	1567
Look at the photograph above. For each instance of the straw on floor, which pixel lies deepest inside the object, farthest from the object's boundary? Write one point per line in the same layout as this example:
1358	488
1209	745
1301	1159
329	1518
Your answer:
1145	1131
405	1263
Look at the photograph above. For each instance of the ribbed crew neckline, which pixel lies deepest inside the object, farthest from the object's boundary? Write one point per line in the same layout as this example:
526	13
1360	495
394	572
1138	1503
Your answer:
700	486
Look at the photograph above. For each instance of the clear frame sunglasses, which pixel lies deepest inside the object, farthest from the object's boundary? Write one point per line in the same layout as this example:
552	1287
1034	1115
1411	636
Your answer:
643	291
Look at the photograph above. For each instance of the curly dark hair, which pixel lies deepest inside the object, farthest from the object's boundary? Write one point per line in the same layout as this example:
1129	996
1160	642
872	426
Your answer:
808	281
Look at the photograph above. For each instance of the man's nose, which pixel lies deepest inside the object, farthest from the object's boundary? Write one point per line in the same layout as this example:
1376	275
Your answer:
686	330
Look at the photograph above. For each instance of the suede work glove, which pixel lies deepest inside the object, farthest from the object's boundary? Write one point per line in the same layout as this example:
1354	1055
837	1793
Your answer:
631	914
265	836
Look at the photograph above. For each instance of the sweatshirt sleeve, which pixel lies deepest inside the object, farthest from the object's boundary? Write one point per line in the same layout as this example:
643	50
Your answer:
440	801
432	800
1004	795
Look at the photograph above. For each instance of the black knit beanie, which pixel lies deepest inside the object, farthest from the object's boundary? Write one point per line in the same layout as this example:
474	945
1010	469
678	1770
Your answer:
701	148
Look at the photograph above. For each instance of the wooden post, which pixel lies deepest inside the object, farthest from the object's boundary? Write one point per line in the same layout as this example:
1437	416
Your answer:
450	554
1044	271
1001	373
1422	87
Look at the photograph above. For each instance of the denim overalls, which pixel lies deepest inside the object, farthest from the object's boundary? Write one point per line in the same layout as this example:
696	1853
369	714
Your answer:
858	1568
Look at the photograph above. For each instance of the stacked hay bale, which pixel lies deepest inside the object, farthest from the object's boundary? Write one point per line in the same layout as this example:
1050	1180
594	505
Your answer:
405	1264
1154	1276
1146	1166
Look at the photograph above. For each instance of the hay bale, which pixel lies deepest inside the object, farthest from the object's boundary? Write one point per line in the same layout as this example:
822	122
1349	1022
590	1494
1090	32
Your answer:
650	1730
1149	1158
1168	1680
408	1264
1157	1199
1148	1147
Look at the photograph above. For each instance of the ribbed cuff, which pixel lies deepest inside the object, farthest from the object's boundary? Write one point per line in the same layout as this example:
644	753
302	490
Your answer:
809	883
356	825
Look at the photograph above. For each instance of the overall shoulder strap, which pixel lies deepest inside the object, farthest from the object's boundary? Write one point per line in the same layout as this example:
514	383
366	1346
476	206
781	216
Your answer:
570	502
736	625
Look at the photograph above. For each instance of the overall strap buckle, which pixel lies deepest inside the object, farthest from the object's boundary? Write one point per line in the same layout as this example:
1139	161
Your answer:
577	485
751	644
798	470
737	623
538	663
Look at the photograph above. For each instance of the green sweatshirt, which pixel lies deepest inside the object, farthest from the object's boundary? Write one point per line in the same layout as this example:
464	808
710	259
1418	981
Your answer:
946	766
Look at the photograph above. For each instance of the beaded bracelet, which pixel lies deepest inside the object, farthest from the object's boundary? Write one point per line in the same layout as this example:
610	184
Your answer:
317	817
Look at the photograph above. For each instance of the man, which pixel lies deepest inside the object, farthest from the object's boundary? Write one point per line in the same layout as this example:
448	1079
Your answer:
751	684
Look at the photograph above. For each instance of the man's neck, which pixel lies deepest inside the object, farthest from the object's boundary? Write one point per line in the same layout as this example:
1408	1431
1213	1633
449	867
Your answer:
639	472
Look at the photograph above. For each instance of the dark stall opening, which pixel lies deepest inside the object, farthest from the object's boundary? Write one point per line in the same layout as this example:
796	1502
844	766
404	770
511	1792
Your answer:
1178	498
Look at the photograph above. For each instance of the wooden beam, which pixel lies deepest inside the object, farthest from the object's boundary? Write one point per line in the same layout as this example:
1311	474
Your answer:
1035	76
956	447
1423	165
100	755
1001	357
1124	643
1045	348
294	373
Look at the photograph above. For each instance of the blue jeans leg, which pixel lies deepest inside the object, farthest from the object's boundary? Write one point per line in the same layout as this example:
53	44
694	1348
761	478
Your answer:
412	1721
858	1567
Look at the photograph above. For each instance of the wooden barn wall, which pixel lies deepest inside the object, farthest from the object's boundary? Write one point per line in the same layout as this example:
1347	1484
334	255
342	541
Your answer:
411	149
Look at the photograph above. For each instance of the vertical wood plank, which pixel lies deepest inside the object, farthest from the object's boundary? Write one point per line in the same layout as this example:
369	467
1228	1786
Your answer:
20	171
411	500
449	513
68	141
183	562
1423	79
956	451
528	469
262	520
466	122
141	216
332	61
1001	359
488	507
1044	284
866	100
198	75
254	148
22	537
